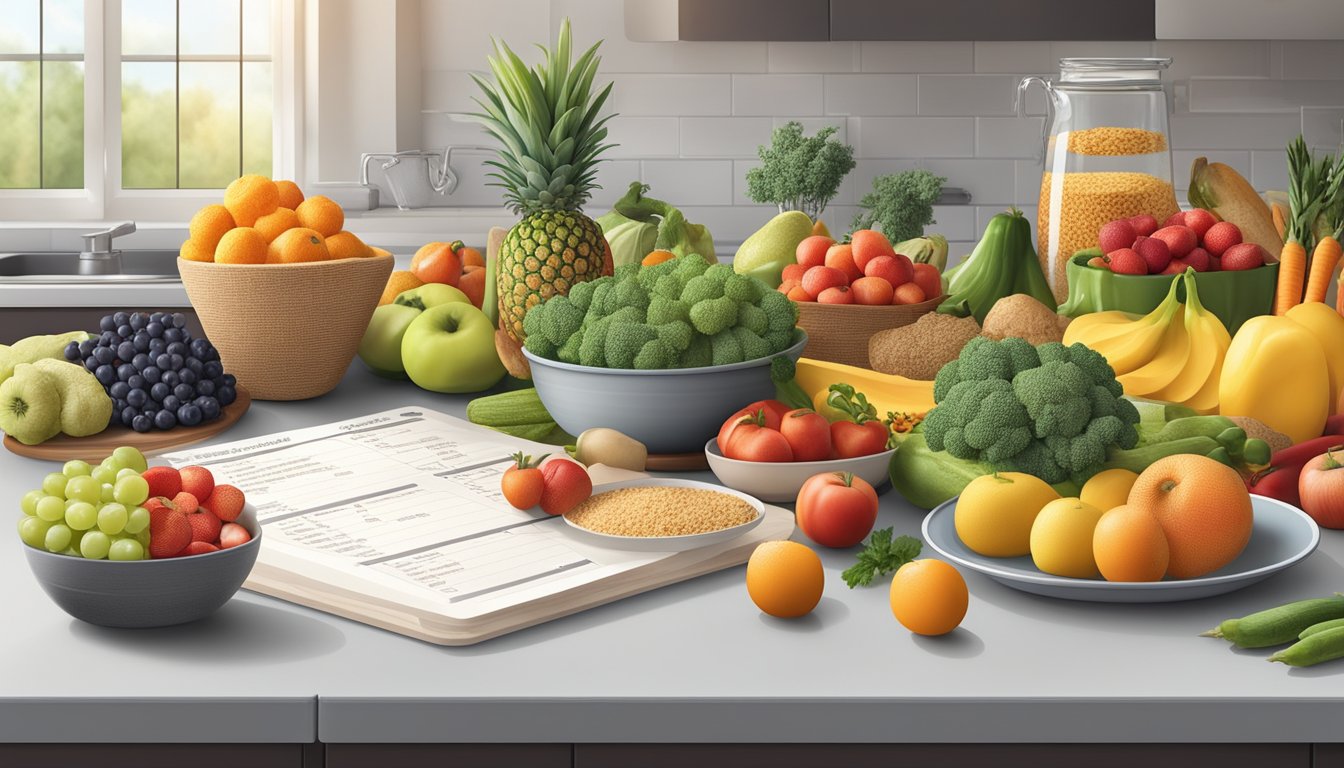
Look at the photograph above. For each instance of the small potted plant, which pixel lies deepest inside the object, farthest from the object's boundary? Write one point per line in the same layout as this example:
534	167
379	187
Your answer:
800	173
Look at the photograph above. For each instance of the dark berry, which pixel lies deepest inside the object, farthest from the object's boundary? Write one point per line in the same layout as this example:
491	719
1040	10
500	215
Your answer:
141	362
107	323
121	318
86	348
165	419
176	362
151	374
171	403
226	395
142	423
104	355
170	378
189	415
138	321
173	334
126	351
187	376
137	382
209	407
160	393
205	387
125	371
155	330
71	352
177	348
137	398
118	390
184	392
128	414
106	375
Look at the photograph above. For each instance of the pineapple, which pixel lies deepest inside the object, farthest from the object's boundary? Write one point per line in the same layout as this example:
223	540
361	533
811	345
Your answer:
547	120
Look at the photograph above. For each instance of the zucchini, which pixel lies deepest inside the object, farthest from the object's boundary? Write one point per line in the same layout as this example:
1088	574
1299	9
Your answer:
1280	625
1195	426
506	409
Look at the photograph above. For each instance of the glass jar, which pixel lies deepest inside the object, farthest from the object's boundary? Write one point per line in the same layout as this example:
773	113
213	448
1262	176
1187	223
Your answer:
1106	154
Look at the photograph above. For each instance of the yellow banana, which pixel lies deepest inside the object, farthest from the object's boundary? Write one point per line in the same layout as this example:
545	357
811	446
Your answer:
1132	350
1096	327
1171	358
1209	341
1205	401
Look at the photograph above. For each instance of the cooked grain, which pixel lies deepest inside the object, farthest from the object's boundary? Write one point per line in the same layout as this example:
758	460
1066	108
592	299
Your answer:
1116	141
660	511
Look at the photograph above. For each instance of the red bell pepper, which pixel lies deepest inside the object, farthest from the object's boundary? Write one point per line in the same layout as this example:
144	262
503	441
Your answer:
1279	479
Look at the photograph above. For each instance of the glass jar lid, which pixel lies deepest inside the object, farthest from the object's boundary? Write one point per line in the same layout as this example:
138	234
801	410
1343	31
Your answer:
1101	72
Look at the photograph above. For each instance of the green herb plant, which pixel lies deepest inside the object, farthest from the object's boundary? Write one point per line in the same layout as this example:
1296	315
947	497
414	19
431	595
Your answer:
881	555
901	204
800	173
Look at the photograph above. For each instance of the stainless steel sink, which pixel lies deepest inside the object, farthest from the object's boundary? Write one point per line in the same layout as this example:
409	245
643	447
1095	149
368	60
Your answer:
147	266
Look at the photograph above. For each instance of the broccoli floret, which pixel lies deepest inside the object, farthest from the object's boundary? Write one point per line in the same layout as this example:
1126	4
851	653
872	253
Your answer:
648	276
714	315
780	310
624	341
533	320
569	352
787	390
627	315
562	320
979	420
699	354
983	358
1057	396
654	356
626	271
581	294
688	267
779	340
753	318
726	349
667	286
753	346
539	345
701	288
742	288
676	334
593	350
665	310
625	294
719	273
597	304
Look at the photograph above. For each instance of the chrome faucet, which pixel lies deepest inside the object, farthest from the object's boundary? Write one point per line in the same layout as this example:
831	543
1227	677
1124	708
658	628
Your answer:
98	256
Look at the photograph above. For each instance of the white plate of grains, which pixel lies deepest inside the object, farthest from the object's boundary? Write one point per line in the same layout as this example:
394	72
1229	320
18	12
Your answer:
664	515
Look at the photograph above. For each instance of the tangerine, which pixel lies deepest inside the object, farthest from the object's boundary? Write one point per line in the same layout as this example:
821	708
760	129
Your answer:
344	245
785	579
249	197
296	246
322	214
929	597
194	251
399	281
242	245
290	194
275	223
1204	510
209	225
1129	545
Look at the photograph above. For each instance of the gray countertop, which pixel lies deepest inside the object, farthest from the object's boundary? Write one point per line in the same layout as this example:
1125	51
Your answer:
694	662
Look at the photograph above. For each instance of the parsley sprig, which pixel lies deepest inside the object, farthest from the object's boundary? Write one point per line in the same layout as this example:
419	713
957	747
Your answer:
881	555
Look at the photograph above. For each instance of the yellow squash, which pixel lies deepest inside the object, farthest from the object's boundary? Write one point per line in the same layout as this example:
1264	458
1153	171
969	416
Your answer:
1328	328
885	391
1275	371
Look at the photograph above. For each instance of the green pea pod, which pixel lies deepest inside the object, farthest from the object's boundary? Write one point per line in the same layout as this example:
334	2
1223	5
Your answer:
1256	452
1220	454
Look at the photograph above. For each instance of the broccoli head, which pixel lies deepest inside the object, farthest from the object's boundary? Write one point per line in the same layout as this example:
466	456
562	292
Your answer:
676	334
725	348
625	293
532	320
648	276
781	312
714	315
699	354
753	346
569	351
561	319
701	288
624	341
753	318
665	310
979	420
741	288
597	303
654	356
719	273
688	267
593	349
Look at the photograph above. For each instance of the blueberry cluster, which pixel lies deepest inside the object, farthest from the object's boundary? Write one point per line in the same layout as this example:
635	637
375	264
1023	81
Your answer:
157	375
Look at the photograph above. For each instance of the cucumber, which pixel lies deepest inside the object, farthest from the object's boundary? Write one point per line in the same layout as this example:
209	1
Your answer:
1138	459
1196	426
534	432
1280	625
1323	626
519	407
1322	646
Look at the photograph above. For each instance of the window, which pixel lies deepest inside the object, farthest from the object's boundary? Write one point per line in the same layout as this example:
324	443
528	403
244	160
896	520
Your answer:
42	94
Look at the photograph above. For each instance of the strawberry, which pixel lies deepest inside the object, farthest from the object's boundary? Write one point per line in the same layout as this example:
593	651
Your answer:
185	503
204	526
565	484
198	481
1143	224
1127	261
158	503
163	481
1179	238
1198	260
233	535
1243	256
1175	219
1115	235
1199	220
226	502
169	533
1155	252
1174	267
198	548
1220	237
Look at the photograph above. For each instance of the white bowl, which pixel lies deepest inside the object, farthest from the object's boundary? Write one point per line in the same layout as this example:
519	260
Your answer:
780	481
668	543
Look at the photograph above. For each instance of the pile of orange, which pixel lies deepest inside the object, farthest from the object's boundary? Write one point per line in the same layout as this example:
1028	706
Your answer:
452	264
271	222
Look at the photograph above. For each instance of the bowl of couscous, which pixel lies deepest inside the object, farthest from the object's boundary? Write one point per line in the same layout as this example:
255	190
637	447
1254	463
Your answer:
664	515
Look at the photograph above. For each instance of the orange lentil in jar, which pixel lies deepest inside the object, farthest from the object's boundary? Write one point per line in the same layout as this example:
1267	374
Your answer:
1087	201
1113	141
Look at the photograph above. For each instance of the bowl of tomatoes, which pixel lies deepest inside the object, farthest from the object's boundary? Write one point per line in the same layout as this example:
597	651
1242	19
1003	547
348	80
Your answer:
768	451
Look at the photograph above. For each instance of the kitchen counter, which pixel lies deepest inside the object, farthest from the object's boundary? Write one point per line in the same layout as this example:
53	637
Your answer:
694	662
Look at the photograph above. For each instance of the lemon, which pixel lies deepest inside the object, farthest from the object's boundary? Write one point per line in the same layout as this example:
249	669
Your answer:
1108	489
995	512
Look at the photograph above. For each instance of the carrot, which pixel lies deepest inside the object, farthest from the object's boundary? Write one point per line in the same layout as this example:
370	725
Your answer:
1292	268
1324	259
1280	218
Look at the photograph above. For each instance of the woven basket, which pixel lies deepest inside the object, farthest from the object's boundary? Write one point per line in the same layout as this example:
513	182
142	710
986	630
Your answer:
287	331
839	333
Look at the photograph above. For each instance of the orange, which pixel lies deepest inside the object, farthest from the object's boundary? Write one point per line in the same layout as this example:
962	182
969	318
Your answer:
344	245
1204	510
785	579
194	251
322	214
243	245
290	194
473	284
1129	545
250	197
470	257
929	597
656	257
297	245
209	225
437	263
273	224
399	281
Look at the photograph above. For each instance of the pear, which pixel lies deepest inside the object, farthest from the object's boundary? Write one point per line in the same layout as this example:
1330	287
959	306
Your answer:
85	407
35	348
770	249
30	405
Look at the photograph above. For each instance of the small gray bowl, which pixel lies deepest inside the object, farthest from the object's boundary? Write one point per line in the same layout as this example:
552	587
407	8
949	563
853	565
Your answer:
146	593
670	411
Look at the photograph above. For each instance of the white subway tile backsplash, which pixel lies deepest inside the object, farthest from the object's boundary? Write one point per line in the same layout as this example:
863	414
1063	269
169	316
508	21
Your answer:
871	94
955	222
1323	127
1181	160
966	94
1098	49
706	182
614	176
769	95
990	182
642	94
1220	58
443	47
1009	136
724	136
916	56
916	137
639	137
1314	59
1212	94
1013	57
1269	170
1027	182
1233	131
808	57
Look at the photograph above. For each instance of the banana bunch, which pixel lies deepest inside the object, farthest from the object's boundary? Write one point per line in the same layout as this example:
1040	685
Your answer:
1174	353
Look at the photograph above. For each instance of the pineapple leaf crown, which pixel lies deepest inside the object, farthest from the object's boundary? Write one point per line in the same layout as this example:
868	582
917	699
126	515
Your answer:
547	120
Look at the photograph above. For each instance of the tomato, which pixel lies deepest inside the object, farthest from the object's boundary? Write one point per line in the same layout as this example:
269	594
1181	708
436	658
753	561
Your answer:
850	439
565	483
836	509
522	483
774	411
808	434
751	440
1321	487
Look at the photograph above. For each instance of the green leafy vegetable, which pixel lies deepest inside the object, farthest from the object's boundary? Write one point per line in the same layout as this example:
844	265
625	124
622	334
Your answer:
637	225
800	173
901	204
881	555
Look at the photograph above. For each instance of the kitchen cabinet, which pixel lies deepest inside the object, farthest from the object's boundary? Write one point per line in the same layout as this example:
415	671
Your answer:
981	20
160	755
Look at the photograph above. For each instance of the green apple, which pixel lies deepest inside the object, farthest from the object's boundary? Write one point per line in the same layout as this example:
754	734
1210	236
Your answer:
380	349
451	348
431	295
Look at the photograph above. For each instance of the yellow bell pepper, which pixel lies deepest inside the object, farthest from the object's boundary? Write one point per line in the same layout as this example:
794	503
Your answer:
1276	372
1328	327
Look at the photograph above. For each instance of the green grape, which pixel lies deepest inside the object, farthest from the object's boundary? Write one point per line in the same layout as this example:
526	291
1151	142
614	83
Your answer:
137	520
106	496
76	468
54	485
95	545
126	549
84	488
105	475
143	537
112	518
129	457
75	538
126	472
131	490
29	503
57	538
51	508
112	464
81	516
33	531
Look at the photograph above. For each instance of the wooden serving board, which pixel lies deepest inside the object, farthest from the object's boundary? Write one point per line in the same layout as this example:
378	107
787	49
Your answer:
434	628
95	448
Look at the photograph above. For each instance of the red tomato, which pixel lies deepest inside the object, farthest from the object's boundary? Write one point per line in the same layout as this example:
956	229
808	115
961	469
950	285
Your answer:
751	440
808	434
836	509
565	483
850	439
774	411
1321	486
811	252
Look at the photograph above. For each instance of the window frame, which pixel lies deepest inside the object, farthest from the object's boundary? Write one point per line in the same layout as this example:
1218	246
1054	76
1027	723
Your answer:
103	198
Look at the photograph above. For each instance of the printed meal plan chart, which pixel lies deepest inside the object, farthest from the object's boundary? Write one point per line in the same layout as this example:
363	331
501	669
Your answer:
407	500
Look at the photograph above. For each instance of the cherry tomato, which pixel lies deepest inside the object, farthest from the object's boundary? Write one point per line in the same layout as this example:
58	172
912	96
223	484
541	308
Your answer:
808	434
836	509
522	483
850	440
751	440
774	411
